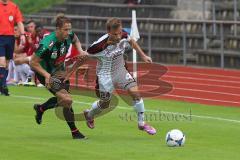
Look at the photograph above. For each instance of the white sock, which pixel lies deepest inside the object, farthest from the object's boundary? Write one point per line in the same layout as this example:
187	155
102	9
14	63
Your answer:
94	110
16	76
139	107
22	73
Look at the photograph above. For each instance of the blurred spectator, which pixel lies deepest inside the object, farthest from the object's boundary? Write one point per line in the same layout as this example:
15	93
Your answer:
41	32
33	39
34	35
22	71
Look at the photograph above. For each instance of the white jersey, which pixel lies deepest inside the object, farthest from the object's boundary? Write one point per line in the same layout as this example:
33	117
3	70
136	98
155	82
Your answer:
110	57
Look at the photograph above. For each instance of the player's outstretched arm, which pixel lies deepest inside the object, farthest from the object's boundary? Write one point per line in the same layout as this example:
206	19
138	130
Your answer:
35	65
78	46
143	56
81	58
21	29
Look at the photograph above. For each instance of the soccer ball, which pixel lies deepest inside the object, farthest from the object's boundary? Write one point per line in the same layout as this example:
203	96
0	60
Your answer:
175	138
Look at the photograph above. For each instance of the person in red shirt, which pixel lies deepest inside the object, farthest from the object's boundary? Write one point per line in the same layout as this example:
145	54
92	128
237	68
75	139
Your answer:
32	43
10	14
33	37
41	32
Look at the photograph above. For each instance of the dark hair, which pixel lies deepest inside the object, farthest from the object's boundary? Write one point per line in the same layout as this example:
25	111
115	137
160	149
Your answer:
113	23
61	20
31	21
39	26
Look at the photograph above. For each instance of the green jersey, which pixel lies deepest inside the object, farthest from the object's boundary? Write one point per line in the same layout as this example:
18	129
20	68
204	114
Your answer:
53	52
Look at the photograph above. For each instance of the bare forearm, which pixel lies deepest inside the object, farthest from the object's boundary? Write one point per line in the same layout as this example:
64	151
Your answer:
143	56
21	27
137	48
18	49
78	46
80	61
37	67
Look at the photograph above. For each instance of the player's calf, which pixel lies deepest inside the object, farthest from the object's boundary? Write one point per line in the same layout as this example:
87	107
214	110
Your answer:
65	102
64	99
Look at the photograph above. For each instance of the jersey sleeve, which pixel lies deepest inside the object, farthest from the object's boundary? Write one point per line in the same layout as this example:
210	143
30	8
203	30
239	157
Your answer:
125	35
19	17
42	50
98	46
71	35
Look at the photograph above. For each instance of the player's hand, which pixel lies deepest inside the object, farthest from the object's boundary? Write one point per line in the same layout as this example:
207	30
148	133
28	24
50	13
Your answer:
84	53
29	39
47	81
147	59
22	39
67	77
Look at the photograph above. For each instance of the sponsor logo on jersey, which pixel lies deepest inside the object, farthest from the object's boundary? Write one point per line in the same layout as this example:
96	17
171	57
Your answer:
63	50
113	51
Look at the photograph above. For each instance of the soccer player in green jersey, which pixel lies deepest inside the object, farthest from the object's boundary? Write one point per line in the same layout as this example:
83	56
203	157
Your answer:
48	63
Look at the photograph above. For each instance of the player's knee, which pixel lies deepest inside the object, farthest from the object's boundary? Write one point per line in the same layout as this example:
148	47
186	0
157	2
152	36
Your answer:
3	62
105	96
66	102
137	97
104	104
17	61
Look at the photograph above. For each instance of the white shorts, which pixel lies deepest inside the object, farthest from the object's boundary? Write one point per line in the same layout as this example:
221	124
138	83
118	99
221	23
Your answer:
122	79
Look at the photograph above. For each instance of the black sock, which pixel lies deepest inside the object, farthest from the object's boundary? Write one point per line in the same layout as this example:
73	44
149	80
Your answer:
51	103
69	117
2	76
5	78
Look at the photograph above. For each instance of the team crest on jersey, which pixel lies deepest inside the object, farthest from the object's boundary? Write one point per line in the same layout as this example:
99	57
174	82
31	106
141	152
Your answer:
54	55
10	18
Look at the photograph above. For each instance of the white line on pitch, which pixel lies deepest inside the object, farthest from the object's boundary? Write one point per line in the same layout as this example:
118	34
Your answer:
205	99
127	108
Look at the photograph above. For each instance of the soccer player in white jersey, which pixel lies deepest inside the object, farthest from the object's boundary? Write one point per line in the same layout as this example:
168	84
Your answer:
111	72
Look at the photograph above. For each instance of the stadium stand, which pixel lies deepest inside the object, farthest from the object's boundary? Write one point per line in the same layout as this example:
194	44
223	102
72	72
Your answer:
163	36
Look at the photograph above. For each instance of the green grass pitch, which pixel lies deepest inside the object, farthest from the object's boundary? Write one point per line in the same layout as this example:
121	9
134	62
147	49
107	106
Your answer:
212	132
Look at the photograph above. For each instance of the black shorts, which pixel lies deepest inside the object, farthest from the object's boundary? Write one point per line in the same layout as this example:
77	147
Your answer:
7	46
64	85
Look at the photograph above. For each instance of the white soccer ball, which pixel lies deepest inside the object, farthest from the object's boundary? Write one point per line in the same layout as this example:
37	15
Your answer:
175	138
